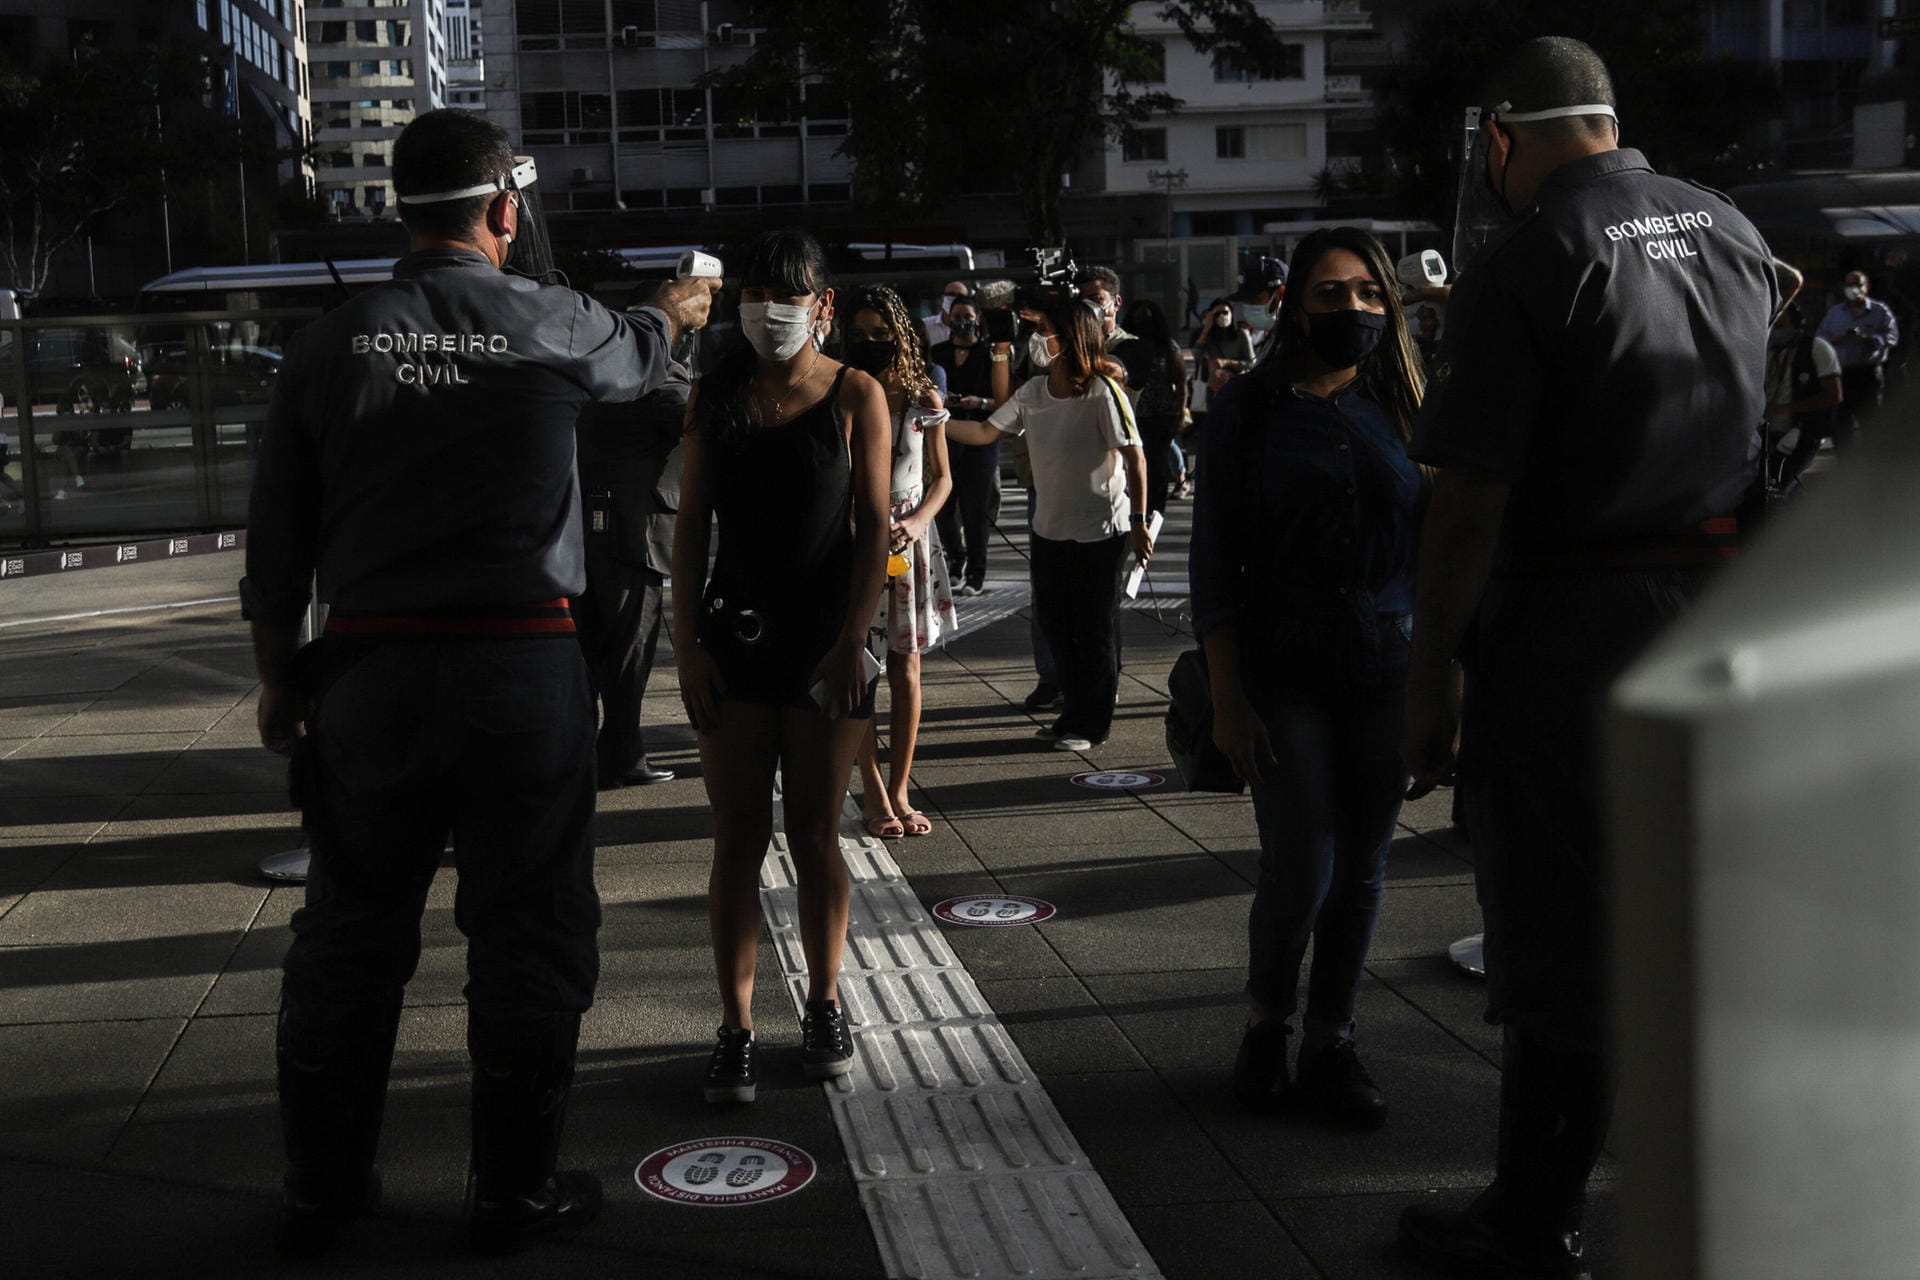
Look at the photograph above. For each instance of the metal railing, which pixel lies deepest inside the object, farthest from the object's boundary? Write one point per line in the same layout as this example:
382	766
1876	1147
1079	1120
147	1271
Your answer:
132	424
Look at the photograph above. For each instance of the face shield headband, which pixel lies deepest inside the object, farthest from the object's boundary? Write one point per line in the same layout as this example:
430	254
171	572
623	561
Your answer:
529	252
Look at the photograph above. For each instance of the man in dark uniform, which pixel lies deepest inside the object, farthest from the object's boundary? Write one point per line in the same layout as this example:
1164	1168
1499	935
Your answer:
419	455
1595	431
630	488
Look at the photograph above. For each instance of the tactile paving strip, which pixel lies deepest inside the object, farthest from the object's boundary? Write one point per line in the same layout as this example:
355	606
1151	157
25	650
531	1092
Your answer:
964	1166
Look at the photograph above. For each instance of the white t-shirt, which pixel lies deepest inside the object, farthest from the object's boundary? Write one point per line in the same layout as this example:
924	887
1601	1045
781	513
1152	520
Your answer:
1780	388
1079	481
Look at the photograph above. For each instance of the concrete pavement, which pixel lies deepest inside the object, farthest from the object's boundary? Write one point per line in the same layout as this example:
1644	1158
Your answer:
138	954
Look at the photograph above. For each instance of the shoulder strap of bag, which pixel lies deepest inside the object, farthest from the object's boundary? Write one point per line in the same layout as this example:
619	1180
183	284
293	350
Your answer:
1128	427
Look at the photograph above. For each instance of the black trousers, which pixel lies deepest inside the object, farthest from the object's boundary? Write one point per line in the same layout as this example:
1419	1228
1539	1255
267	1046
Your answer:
489	741
1547	649
1860	388
964	520
1076	595
619	620
1157	434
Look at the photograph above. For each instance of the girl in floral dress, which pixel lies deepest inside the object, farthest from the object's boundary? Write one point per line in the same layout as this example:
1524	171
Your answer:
916	608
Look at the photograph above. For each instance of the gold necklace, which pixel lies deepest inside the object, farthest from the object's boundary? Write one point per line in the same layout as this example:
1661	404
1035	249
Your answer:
788	393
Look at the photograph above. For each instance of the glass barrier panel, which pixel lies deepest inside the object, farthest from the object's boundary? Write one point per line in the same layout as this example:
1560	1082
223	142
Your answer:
115	447
235	445
13	498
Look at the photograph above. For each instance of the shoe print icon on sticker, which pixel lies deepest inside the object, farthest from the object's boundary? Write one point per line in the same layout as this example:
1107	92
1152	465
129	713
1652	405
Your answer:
706	1168
716	1172
749	1171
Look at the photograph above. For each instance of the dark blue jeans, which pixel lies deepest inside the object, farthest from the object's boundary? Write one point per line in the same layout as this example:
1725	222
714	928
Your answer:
1326	819
491	741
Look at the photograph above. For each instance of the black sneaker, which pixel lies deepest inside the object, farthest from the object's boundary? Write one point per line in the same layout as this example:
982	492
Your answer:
1476	1243
732	1072
308	1222
1045	697
826	1050
500	1227
1333	1080
1260	1072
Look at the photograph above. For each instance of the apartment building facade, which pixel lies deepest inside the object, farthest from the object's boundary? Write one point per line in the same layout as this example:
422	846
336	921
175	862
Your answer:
373	66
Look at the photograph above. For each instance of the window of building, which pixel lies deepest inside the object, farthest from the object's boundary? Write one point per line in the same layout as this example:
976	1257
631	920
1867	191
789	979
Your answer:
1231	65
586	200
736	196
637	199
1153	65
549	118
683	197
1230	142
1144	144
782	194
1276	142
829	193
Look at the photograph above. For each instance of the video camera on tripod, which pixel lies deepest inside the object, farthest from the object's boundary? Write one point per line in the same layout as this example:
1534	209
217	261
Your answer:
1054	271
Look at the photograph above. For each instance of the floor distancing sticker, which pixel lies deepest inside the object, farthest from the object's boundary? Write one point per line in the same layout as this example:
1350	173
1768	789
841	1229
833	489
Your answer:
962	1162
988	912
719	1172
1118	780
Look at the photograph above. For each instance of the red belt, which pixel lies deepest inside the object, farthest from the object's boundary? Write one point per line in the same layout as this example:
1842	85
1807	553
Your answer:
549	617
1711	542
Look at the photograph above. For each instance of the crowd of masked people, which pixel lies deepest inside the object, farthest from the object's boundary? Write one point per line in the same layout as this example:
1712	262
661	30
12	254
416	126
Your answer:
816	492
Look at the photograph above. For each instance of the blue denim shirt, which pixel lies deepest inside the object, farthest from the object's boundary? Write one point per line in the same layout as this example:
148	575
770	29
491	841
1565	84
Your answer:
1305	537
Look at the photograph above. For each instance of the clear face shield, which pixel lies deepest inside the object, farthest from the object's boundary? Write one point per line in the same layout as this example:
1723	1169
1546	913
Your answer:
1480	205
530	253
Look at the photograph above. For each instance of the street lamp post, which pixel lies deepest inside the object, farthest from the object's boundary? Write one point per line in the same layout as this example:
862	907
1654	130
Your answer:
1173	180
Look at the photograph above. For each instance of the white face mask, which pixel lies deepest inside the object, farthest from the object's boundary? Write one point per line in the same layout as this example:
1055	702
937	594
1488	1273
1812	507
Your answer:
1037	354
1256	316
1855	293
777	330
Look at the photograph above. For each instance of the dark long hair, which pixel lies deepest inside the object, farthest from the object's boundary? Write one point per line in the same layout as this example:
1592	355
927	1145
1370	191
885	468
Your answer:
909	367
787	261
1143	318
1392	373
1083	336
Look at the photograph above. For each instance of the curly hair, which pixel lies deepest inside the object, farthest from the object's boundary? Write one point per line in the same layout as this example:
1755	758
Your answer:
909	367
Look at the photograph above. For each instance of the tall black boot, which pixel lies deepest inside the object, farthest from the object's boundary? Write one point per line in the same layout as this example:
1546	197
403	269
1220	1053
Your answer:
332	1064
522	1073
1555	1105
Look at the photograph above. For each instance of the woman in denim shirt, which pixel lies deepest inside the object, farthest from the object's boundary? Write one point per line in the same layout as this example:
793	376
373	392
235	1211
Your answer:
1302	572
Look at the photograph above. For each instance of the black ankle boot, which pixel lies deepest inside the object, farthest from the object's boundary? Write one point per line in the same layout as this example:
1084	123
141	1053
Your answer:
1487	1240
331	1067
1555	1104
523	1072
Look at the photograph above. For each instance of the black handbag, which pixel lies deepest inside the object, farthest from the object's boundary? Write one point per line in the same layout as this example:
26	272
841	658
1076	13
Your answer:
1202	765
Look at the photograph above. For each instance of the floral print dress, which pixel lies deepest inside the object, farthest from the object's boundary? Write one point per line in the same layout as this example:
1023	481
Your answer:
916	609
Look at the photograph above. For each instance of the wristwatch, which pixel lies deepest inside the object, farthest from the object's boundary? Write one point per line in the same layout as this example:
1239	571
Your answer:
1138	517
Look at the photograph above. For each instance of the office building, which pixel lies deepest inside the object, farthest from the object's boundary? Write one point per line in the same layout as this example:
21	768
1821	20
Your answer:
373	66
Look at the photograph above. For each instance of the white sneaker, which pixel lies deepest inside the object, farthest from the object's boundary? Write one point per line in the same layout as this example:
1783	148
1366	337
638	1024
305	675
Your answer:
1072	742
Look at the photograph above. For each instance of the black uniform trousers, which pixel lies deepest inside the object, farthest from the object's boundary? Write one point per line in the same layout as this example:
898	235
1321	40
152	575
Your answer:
1547	650
489	740
1157	434
619	619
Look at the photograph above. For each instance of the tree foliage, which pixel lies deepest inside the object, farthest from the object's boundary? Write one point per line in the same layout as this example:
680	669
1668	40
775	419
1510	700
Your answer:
80	138
1694	115
991	94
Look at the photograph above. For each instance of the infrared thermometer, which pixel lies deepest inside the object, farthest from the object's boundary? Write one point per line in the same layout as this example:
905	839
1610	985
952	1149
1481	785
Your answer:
695	263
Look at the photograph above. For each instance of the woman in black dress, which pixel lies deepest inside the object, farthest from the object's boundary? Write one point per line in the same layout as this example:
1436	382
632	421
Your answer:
789	451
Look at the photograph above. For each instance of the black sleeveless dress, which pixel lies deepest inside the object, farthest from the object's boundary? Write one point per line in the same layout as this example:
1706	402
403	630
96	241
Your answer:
783	497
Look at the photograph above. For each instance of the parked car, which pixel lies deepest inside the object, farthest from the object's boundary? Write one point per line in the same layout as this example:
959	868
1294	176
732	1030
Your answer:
237	373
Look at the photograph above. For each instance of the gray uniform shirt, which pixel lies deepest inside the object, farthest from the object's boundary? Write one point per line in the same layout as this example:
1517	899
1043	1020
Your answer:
419	452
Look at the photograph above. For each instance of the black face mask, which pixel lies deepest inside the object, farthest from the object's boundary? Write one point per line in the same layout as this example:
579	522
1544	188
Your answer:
964	328
872	357
1344	338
